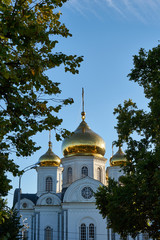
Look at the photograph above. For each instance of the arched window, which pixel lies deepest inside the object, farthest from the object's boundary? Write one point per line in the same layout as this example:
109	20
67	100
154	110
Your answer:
91	231
83	232
49	184
99	174
69	175
48	233
87	232
84	171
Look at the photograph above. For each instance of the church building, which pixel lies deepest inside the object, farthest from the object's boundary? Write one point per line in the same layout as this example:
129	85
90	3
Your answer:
63	208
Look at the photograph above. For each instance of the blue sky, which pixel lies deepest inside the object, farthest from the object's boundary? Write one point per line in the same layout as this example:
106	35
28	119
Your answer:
107	33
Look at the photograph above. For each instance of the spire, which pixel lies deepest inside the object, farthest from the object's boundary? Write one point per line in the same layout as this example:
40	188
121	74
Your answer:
50	143
83	112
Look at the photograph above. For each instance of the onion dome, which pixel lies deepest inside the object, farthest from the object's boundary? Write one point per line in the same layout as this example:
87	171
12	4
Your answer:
49	158
83	141
118	158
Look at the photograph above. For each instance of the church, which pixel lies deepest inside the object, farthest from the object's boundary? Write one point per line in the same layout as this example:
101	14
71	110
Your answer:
63	208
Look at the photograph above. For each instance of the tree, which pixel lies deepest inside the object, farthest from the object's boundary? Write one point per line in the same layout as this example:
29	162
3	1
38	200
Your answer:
9	224
29	100
132	206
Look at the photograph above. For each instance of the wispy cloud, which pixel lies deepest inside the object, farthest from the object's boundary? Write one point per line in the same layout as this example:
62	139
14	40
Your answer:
143	10
114	6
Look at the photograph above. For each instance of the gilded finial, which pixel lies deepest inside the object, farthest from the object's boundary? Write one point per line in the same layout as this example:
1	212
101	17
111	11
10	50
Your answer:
83	112
50	143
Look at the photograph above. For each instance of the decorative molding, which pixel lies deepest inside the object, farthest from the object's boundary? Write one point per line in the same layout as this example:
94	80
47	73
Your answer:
42	199
73	193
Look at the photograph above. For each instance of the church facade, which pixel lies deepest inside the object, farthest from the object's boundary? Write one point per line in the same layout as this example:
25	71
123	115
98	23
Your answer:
64	206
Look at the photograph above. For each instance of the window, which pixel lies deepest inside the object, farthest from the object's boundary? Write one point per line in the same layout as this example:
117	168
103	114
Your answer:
99	174
87	232
48	235
83	232
49	200
25	235
24	205
48	184
69	175
91	231
84	172
87	192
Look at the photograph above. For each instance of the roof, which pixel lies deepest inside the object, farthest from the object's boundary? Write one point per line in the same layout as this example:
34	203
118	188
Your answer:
31	196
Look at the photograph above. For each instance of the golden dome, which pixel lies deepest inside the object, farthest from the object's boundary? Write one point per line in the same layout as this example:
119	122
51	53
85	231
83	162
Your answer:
118	158
49	158
83	142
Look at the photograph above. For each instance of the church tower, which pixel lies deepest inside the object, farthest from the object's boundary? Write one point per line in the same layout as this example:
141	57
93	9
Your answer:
83	154
115	170
66	210
49	173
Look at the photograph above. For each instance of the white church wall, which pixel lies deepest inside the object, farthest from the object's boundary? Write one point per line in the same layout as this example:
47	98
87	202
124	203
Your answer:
100	163
48	217
26	222
115	172
77	162
25	204
49	199
59	179
74	191
82	213
42	173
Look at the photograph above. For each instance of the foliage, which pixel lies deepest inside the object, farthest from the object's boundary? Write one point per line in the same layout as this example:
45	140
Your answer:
132	206
9	223
28	30
29	101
